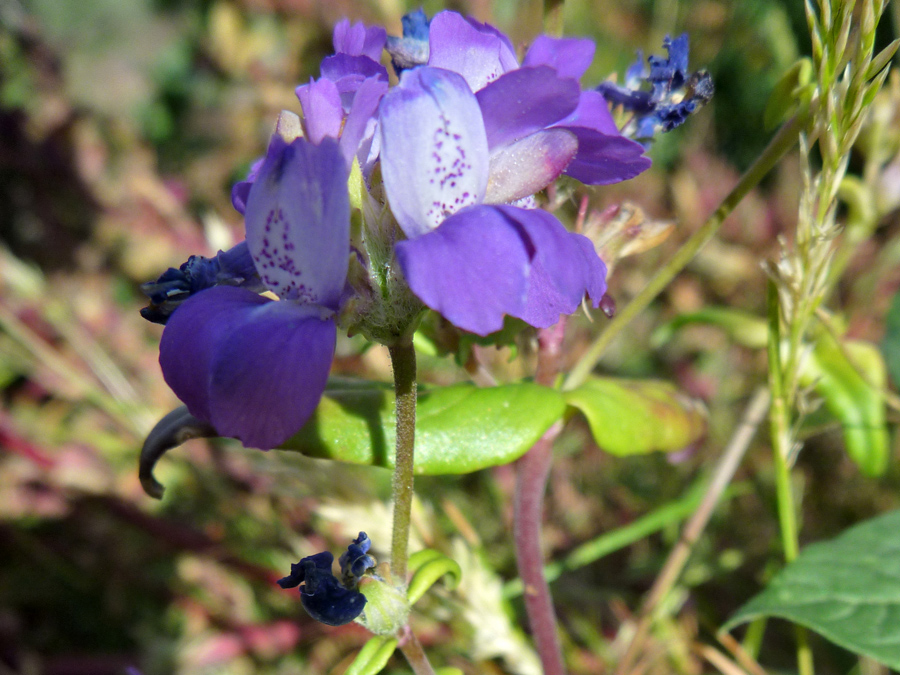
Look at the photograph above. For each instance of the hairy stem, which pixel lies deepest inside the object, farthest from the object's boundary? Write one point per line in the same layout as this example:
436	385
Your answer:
780	144
532	471
415	655
722	475
403	359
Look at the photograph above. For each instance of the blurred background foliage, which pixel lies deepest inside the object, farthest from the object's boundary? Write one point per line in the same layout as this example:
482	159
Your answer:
122	128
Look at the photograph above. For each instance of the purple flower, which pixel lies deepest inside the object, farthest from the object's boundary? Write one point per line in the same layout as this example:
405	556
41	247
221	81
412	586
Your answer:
446	155
252	367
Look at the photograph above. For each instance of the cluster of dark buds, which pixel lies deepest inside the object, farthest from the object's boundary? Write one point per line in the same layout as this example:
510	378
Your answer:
329	600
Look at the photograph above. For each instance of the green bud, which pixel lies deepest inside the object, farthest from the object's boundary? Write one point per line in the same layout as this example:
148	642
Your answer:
387	609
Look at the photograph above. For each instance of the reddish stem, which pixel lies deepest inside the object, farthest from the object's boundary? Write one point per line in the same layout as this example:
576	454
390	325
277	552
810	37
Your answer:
533	469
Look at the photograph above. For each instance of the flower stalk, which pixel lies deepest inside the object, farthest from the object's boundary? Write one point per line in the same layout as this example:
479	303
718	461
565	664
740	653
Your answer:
403	360
415	654
532	471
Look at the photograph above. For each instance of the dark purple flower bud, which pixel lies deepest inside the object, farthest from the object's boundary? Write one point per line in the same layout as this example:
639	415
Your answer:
326	599
354	561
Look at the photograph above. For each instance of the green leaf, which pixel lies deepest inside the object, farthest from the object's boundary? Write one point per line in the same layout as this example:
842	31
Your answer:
846	589
791	91
744	328
373	657
427	567
459	429
632	417
856	402
890	346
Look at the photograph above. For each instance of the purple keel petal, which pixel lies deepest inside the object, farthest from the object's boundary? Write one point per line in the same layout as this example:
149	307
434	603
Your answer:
298	221
529	165
434	155
473	269
476	51
269	373
524	101
563	268
192	337
604	159
570	57
322	109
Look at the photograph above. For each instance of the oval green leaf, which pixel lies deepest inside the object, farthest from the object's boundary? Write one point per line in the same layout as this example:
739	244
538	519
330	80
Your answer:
634	417
846	589
459	429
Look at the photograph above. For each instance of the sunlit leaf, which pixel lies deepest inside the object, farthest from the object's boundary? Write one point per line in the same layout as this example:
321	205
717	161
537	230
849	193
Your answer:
632	417
459	429
846	589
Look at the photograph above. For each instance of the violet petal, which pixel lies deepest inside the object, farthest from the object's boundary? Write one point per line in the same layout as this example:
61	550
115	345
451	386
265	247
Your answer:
476	51
570	57
434	155
592	113
529	165
603	159
563	269
524	101
322	109
268	374
298	221
241	189
363	109
358	39
192	337
473	269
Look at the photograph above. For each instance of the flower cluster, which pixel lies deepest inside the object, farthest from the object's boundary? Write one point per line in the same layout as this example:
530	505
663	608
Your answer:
444	167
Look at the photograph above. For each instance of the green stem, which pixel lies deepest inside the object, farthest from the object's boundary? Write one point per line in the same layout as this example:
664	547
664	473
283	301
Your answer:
780	144
553	17
403	359
781	448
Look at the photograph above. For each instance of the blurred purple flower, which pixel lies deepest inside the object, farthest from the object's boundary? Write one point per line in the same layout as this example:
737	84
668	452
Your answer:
663	95
254	368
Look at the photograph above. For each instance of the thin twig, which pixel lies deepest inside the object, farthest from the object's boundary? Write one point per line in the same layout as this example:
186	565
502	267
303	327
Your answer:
532	471
780	144
722	476
415	654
